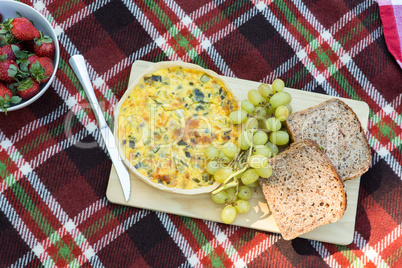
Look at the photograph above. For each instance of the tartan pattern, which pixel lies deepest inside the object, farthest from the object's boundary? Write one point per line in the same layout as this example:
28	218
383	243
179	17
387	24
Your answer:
54	175
391	13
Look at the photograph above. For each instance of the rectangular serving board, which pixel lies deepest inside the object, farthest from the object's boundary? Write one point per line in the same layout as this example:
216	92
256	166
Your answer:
259	217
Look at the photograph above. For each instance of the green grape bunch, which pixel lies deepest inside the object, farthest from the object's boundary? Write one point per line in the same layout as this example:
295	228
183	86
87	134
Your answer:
238	167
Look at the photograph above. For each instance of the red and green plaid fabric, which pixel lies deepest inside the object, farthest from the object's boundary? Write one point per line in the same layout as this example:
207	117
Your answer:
53	209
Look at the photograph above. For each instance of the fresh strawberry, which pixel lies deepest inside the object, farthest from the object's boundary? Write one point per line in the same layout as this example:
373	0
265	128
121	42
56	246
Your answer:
5	90
1	18
44	46
8	70
45	50
22	29
28	88
7	98
32	58
7	53
41	69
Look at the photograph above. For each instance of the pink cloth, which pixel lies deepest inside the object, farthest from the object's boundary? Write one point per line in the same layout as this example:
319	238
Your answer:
391	16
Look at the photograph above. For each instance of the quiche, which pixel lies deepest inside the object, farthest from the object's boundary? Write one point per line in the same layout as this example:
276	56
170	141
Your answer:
167	118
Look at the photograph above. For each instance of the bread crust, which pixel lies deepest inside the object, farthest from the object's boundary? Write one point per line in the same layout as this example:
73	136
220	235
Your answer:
291	122
294	200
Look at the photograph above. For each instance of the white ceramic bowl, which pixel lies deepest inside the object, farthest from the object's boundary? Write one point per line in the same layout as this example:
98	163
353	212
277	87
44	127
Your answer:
134	171
8	9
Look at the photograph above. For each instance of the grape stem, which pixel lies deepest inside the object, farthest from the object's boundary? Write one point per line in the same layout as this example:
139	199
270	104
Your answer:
226	184
235	174
237	160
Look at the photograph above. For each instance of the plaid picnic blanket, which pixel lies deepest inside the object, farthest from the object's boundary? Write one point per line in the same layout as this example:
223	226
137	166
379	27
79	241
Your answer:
53	209
391	16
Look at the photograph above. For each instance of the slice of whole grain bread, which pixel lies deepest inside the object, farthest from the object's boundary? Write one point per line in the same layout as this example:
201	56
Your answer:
337	129
304	190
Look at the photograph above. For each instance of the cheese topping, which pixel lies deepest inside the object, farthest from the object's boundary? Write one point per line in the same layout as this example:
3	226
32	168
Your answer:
168	120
